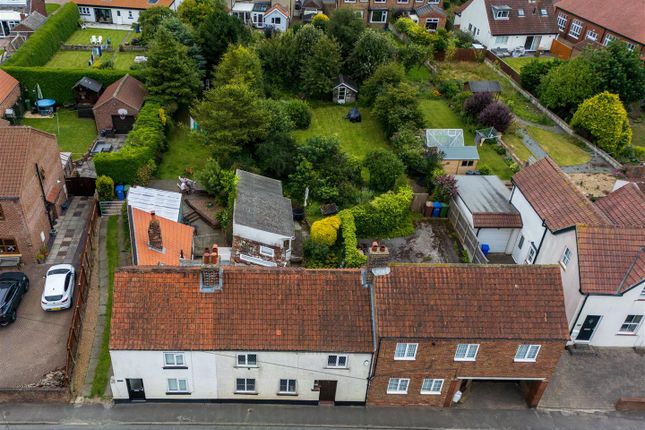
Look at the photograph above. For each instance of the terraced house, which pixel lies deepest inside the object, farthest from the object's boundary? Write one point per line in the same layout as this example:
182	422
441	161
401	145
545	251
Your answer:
427	13
120	12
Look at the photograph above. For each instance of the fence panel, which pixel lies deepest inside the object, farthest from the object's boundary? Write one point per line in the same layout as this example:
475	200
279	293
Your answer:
466	235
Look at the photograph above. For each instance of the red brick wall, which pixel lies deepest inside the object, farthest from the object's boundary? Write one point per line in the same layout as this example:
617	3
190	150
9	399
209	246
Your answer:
14	227
10	100
391	6
249	247
494	359
103	114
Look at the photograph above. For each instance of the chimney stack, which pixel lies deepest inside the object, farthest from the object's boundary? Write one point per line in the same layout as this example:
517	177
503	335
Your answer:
211	272
378	259
154	233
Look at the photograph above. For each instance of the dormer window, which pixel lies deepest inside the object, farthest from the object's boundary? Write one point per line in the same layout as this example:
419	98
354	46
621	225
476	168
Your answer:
501	12
520	12
544	12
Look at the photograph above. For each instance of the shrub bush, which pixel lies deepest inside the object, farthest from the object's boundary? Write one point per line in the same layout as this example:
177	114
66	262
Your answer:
352	256
326	230
497	115
385	215
105	188
45	42
384	168
414	31
532	73
299	112
450	88
445	188
477	103
319	256
484	169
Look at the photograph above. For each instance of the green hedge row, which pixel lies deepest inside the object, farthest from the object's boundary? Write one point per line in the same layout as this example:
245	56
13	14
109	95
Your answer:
142	147
57	83
386	215
45	42
353	256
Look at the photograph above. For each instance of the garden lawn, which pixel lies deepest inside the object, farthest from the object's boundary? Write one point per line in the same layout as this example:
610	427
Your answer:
565	150
518	63
356	139
183	152
515	142
79	59
76	134
638	130
124	60
82	37
437	114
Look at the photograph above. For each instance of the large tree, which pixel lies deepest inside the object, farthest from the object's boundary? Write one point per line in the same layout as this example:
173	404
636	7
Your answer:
397	107
194	12
239	64
620	70
231	119
185	36
386	74
321	70
384	168
151	19
217	31
346	27
372	49
172	75
305	43
279	58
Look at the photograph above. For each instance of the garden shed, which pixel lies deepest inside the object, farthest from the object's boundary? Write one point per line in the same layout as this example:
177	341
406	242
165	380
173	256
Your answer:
457	158
481	136
86	92
492	87
119	105
344	90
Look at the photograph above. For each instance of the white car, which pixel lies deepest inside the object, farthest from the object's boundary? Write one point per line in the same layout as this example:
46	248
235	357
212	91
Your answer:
59	288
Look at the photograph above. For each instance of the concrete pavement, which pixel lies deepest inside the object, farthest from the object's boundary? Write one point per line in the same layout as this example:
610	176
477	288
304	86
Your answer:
248	416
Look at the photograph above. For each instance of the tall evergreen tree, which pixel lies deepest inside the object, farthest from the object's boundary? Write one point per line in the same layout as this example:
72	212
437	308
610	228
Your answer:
321	70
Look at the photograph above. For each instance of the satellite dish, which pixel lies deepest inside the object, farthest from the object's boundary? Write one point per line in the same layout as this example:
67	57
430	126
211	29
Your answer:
122	113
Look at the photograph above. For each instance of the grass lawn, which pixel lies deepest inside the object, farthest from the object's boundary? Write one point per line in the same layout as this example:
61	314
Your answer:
638	130
124	60
518	63
564	150
76	134
51	7
79	59
419	74
515	142
356	139
438	115
183	152
82	37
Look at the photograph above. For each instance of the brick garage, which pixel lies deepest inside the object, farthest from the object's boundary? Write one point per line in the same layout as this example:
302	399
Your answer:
119	105
9	91
30	157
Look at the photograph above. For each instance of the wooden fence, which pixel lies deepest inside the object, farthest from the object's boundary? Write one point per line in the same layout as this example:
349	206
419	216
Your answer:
466	235
508	70
83	276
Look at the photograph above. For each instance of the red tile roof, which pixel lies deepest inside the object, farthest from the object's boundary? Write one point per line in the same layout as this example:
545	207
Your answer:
497	220
625	206
555	198
7	84
531	23
176	237
257	309
611	259
16	145
124	4
279	8
128	90
471	301
624	17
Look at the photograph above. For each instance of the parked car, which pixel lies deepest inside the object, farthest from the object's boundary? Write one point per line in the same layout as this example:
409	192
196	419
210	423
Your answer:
59	288
13	286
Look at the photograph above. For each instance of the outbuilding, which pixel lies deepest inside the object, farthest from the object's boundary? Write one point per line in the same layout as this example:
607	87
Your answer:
119	105
277	17
87	92
492	87
9	91
344	90
457	158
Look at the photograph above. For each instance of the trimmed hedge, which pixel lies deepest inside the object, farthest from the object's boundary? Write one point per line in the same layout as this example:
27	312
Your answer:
387	215
57	83
143	145
326	230
45	42
353	256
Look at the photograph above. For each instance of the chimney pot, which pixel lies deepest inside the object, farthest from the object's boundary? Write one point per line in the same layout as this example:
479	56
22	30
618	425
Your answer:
154	233
374	246
206	256
214	254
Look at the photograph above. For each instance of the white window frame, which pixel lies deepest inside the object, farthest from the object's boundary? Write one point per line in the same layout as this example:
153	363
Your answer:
502	14
276	20
288	385
592	35
337	359
630	46
84	10
349	1
433	1
562	21
267	251
383	16
429	386
633	322
246	386
402	385
402	1
245	360
501	40
177	383
467	351
170	359
608	39
566	258
527	353
575	29
520	13
530	257
130	16
433	20
379	1
359	13
642	295
544	12
406	351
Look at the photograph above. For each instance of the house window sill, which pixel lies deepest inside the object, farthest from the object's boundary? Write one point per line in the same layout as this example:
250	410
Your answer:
336	368
246	367
246	393
430	393
175	367
524	361
404	358
177	393
625	334
466	359
397	392
281	393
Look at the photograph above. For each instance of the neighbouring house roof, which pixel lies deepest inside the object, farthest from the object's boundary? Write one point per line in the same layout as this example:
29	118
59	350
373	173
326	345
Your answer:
442	137
17	144
7	84
33	22
312	4
125	4
532	23
344	80
555	198
279	9
242	7
624	206
261	6
462	7
166	204
624	17
611	259
471	302
430	8
89	83
9	15
127	90
459	152
487	198
257	309
259	204
176	237
484	86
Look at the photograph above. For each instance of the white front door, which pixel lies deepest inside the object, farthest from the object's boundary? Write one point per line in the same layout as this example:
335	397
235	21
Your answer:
341	95
517	251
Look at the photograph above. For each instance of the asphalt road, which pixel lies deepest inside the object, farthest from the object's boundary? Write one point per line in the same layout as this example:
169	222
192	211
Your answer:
256	416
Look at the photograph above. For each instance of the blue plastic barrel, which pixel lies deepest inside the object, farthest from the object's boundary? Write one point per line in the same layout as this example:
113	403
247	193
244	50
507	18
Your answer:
485	249
120	192
436	209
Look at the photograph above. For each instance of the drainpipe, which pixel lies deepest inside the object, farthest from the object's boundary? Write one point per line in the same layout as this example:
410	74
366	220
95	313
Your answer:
42	190
537	252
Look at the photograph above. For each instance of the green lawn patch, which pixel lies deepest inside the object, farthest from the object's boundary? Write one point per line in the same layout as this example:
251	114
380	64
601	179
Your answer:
183	152
103	365
51	7
356	139
124	60
564	149
518	63
80	59
419	74
74	134
638	130
82	37
519	149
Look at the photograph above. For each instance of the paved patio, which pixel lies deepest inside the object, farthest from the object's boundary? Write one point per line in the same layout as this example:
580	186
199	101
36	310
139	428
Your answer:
594	382
67	246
